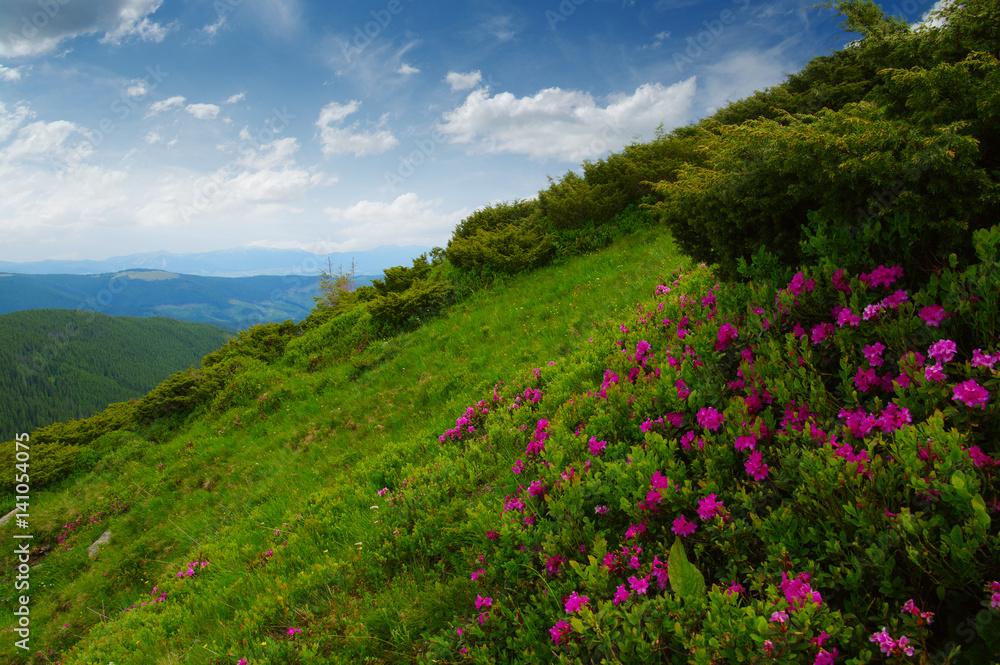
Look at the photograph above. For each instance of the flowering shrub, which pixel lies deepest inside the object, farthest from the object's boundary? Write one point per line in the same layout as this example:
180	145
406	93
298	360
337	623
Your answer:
732	483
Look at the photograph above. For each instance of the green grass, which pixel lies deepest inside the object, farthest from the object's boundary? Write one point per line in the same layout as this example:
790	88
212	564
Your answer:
319	445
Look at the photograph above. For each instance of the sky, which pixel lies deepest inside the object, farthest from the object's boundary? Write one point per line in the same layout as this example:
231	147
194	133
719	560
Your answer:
132	126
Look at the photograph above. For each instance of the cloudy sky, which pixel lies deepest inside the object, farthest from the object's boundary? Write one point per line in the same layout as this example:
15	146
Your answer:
193	125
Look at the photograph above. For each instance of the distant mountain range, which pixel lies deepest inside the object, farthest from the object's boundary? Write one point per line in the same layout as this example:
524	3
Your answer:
241	262
233	303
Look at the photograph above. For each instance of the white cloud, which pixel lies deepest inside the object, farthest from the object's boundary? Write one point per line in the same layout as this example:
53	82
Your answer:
42	141
257	183
165	105
33	28
136	88
406	70
239	97
152	137
338	140
203	111
139	30
213	28
11	120
565	124
408	220
459	81
10	73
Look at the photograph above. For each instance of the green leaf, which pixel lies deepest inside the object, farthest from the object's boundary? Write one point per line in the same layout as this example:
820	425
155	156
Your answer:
686	580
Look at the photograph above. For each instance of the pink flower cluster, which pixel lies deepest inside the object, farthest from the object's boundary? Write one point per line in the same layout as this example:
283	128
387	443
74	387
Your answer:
191	568
891	647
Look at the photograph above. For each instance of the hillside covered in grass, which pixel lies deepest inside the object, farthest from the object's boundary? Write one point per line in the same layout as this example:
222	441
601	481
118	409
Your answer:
561	439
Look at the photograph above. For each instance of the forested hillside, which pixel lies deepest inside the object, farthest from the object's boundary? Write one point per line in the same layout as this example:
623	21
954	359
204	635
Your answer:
67	364
730	396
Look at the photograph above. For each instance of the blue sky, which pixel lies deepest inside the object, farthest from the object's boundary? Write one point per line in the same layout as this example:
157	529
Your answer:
193	125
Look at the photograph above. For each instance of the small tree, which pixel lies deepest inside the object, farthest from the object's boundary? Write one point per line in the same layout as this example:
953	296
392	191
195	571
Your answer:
336	288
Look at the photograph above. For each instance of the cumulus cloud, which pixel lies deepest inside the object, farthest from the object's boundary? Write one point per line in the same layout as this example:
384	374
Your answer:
137	88
239	97
459	81
165	105
11	120
408	220
565	124
34	28
406	70
257	183
337	139
10	73
203	111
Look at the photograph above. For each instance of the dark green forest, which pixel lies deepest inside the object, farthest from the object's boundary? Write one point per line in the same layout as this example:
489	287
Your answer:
58	365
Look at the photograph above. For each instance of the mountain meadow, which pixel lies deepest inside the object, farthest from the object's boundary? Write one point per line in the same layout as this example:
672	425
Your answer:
728	396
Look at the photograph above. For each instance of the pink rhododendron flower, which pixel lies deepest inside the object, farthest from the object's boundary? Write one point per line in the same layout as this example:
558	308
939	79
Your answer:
798	592
971	394
575	603
755	466
621	594
824	657
476	574
873	353
845	317
682	527
979	359
779	617
821	331
560	631
709	418
942	350
639	584
840	282
596	447
518	467
482	602
709	506
881	276
933	315
934	373
727	333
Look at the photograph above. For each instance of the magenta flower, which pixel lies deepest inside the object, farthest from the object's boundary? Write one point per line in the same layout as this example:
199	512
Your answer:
597	447
682	389
483	602
979	359
621	594
476	574
682	527
824	657
933	315
942	350
755	466
710	419
873	353
639	584
727	333
241	661
709	506
293	631
971	394
641	349
845	317
995	598
575	603
560	631
779	617
518	467
934	373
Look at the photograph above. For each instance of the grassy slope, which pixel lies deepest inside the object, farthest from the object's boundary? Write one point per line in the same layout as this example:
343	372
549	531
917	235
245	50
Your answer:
222	487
